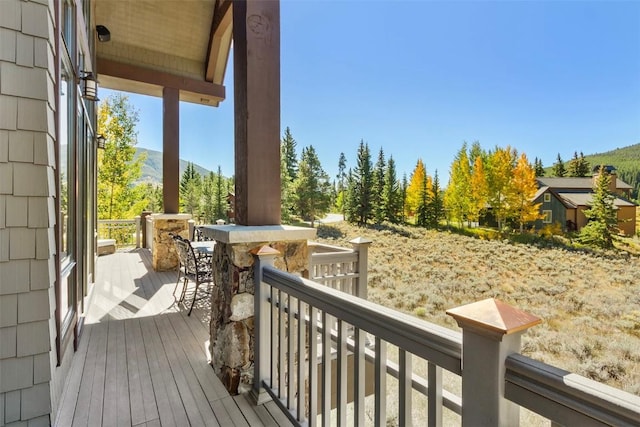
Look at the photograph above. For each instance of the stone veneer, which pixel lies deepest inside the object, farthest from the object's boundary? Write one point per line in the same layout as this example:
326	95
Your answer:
232	299
164	256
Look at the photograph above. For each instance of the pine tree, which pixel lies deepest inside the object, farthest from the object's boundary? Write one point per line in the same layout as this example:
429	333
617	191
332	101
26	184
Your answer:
190	190
413	197
524	188
479	190
311	188
584	168
537	165
118	168
603	221
558	167
360	187
403	195
422	209
377	192
458	193
391	194
220	206
341	183
288	152
208	198
435	204
574	165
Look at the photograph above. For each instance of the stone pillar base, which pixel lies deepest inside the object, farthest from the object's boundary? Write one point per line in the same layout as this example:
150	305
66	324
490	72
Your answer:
164	256
232	325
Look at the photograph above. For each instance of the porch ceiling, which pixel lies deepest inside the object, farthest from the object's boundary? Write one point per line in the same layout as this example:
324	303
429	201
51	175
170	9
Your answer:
158	43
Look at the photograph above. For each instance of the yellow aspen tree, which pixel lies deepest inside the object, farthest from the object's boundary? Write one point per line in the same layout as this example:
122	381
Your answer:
414	189
499	182
458	193
524	188
479	190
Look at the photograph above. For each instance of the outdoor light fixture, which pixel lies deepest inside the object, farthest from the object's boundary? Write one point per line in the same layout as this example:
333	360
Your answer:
90	88
104	35
101	141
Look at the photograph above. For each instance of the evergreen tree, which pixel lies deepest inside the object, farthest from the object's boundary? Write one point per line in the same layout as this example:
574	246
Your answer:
435	204
603	221
558	167
118	168
524	187
361	187
208	198
403	196
377	190
458	193
286	191
311	188
341	183
288	153
392	194
190	190
422	209
413	194
537	165
584	168
573	170
479	190
220	197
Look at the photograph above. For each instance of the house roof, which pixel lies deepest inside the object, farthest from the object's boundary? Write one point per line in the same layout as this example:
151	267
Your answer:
584	199
576	183
162	43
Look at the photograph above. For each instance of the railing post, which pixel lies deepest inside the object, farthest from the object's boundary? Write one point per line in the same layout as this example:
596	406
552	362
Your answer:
138	231
491	330
361	245
264	256
192	228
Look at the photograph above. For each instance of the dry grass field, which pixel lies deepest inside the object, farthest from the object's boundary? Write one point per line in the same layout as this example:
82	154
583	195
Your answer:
589	303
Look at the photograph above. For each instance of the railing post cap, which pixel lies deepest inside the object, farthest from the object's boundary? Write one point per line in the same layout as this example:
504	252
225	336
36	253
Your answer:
361	241
264	251
493	317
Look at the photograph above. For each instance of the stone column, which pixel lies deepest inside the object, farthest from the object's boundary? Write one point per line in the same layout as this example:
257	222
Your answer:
164	256
232	301
491	330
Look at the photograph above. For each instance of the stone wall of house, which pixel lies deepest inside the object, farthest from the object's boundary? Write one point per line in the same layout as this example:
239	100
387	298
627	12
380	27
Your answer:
27	211
232	306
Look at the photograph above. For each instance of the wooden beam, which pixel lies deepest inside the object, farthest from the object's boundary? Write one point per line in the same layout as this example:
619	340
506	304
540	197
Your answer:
256	67
160	78
219	42
171	150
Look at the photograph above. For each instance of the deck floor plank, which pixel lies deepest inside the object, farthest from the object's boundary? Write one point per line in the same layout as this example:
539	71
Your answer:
143	362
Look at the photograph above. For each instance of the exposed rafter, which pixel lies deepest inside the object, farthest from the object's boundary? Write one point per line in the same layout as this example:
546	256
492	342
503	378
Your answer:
152	81
219	42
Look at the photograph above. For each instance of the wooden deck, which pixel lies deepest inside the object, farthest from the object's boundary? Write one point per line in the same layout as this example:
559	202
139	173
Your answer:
143	362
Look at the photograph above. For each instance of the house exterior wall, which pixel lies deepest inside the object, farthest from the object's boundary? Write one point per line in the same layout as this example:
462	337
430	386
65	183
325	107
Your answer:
627	220
558	211
27	210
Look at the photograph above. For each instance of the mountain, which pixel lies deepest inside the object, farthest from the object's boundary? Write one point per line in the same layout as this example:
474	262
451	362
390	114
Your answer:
152	167
626	160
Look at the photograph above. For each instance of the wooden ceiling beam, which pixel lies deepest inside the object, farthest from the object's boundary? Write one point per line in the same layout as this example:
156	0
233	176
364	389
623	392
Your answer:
214	92
219	42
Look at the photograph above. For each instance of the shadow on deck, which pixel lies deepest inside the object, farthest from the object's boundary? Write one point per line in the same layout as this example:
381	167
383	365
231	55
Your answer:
143	362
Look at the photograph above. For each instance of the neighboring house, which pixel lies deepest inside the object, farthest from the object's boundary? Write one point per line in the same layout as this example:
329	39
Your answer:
564	200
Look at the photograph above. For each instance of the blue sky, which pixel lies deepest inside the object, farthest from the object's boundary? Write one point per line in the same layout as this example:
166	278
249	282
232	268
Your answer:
418	78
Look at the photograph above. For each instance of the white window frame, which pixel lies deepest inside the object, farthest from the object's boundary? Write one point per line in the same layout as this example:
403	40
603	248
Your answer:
548	216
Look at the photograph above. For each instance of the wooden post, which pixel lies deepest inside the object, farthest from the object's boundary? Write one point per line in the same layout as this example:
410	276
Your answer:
256	66
361	245
171	150
138	231
264	255
491	330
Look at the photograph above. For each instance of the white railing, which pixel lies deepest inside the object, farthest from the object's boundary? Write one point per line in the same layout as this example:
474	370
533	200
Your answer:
126	232
311	339
340	268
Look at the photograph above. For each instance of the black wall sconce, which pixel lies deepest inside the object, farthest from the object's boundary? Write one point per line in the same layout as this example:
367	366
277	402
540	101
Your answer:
101	141
104	35
89	87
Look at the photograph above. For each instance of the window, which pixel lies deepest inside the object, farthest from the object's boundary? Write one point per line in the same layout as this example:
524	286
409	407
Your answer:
547	197
548	217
